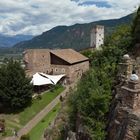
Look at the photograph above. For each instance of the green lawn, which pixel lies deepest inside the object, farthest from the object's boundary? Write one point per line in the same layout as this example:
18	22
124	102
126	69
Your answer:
19	120
38	105
37	132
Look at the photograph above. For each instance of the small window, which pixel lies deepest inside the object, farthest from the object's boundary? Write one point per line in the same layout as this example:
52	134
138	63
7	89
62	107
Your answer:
63	70
56	69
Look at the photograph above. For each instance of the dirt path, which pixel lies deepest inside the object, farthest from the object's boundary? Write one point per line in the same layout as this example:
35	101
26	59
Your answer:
26	129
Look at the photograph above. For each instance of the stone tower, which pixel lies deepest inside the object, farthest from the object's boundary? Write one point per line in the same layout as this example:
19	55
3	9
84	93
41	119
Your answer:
97	37
125	68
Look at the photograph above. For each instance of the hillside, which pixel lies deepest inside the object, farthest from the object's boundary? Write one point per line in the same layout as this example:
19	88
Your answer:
76	36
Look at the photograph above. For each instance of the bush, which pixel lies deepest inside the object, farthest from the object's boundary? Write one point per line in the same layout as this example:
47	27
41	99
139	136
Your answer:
137	134
57	86
2	125
4	133
39	97
2	120
42	120
25	137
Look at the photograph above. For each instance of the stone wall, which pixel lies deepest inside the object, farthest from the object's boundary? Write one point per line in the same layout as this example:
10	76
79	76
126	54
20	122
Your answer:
76	70
37	60
73	72
124	115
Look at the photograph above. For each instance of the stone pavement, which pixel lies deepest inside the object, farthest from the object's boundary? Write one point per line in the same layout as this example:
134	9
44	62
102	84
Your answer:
26	129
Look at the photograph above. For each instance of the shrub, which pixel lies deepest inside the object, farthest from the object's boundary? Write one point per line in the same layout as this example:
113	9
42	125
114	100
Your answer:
4	133
25	137
2	125
138	135
42	120
39	97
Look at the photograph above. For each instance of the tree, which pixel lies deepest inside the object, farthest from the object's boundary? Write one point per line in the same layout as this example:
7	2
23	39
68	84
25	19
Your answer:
121	37
136	28
15	87
91	100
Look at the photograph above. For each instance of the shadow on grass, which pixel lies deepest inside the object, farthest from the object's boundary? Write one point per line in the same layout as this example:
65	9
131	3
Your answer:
9	110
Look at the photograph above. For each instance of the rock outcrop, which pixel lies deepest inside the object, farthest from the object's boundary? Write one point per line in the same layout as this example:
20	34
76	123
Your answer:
124	117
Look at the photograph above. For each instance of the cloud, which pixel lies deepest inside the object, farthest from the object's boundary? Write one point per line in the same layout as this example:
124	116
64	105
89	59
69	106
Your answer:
36	16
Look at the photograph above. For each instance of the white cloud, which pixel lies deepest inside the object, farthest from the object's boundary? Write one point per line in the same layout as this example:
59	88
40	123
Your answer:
37	16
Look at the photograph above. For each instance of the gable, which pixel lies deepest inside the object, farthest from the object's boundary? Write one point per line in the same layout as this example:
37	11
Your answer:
57	60
69	55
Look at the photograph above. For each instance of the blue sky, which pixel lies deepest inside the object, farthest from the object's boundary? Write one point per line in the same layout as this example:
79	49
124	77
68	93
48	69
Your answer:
98	4
36	16
93	2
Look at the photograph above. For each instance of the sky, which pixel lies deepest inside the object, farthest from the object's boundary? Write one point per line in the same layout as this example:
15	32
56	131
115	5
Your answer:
32	17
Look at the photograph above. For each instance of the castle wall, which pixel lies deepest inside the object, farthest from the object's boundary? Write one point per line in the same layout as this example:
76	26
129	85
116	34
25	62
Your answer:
124	116
73	72
37	61
77	70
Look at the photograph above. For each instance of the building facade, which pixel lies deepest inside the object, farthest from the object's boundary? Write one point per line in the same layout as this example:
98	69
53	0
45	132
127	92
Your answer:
60	61
97	37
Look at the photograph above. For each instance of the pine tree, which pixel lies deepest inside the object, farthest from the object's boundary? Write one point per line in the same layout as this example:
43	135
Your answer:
15	87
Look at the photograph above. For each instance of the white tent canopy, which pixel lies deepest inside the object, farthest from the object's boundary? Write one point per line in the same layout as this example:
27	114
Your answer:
39	80
45	79
53	78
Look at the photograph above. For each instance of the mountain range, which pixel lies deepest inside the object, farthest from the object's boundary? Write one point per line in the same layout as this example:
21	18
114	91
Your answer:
76	36
9	41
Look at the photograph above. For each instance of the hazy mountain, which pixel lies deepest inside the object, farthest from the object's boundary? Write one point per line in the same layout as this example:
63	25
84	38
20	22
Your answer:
9	41
76	36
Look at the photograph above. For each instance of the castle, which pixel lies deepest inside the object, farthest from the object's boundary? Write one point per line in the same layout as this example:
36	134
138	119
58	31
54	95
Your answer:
62	61
55	62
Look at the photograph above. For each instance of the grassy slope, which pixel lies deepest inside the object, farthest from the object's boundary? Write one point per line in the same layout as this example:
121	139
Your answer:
19	120
37	132
38	105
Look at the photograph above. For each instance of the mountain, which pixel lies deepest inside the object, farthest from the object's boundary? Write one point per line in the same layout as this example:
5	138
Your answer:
9	41
76	36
